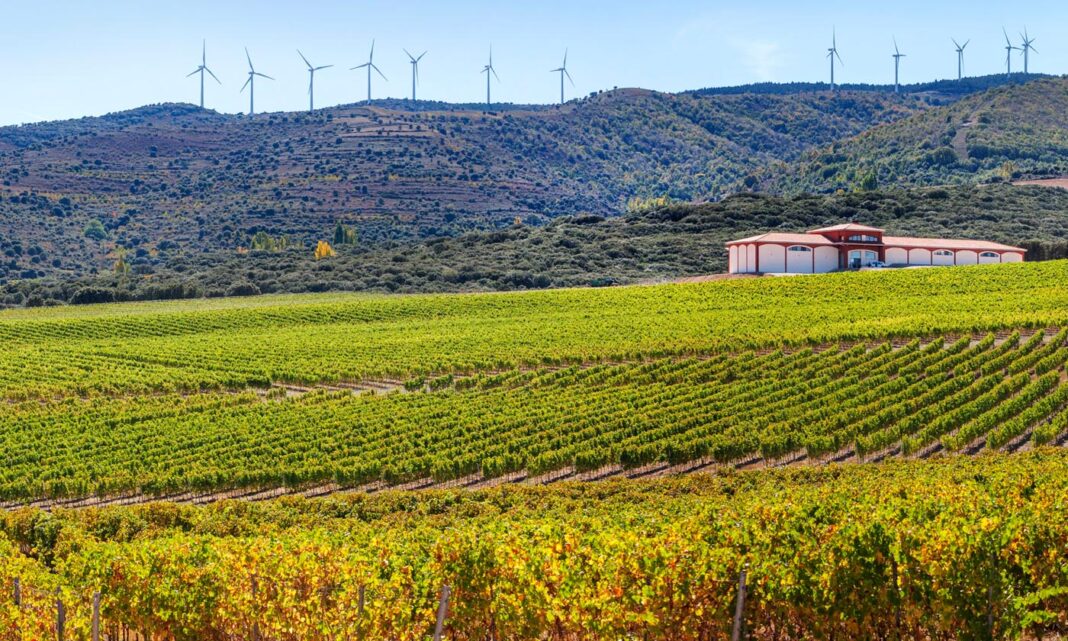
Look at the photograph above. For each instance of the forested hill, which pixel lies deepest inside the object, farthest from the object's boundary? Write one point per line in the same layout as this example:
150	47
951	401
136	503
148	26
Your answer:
660	244
1006	133
173	179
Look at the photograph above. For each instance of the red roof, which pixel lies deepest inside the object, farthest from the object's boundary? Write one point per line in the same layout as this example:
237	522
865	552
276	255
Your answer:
944	243
847	227
793	239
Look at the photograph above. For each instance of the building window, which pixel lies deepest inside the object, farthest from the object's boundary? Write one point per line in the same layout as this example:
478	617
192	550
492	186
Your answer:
799	248
943	252
863	238
988	255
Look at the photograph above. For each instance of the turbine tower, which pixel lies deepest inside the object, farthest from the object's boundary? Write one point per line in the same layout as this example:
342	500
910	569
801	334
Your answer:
251	84
563	72
832	53
960	57
311	79
1026	47
415	72
897	63
202	69
1008	53
488	69
370	65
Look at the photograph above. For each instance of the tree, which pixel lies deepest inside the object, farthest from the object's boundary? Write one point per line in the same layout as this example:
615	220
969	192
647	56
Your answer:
344	235
95	230
869	181
323	250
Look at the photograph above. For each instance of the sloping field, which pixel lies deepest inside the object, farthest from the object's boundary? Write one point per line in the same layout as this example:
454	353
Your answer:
172	398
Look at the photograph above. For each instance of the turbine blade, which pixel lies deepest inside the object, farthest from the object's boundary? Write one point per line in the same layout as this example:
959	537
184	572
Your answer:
246	83
304	59
569	78
372	51
263	75
213	75
193	72
955	44
380	73
965	44
366	64
323	67
410	56
495	74
421	56
249	59
840	61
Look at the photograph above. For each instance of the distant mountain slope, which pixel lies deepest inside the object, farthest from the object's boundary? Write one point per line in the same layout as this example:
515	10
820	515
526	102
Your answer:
680	240
167	179
998	135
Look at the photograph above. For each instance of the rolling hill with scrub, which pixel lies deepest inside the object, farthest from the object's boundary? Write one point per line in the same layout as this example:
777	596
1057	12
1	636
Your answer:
998	135
167	180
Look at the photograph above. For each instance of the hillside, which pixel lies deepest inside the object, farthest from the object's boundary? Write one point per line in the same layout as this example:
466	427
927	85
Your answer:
999	135
659	244
170	179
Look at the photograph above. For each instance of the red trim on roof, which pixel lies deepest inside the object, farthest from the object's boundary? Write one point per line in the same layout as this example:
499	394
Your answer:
947	243
846	227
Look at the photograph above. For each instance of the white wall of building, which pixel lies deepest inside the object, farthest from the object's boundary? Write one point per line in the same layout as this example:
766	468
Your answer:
919	257
897	256
1012	257
799	259
826	259
942	257
772	259
967	257
732	259
751	258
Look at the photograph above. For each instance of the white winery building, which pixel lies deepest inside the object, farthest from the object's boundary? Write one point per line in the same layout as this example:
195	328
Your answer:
853	246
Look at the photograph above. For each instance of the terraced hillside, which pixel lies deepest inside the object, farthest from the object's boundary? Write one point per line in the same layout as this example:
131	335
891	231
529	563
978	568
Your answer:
171	179
256	394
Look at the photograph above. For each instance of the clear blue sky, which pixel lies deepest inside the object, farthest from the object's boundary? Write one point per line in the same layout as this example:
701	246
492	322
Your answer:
69	58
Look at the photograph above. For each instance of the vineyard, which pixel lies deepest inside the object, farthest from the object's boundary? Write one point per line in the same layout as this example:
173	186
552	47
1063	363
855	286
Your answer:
168	400
716	418
963	548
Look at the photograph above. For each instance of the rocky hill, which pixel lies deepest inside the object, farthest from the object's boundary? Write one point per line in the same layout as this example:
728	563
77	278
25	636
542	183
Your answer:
1007	133
169	179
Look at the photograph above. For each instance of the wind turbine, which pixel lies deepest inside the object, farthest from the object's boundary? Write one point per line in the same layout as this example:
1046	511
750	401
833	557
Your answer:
1026	47
832	53
960	57
415	72
897	63
370	64
311	79
251	83
203	68
1008	53
563	72
488	69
